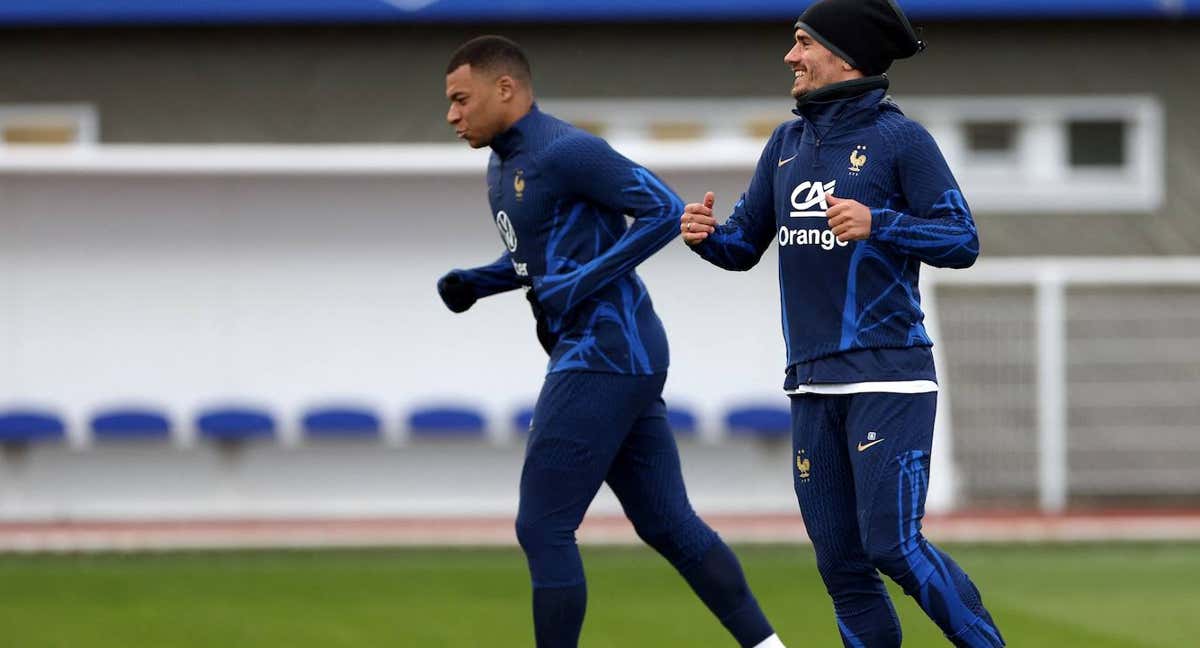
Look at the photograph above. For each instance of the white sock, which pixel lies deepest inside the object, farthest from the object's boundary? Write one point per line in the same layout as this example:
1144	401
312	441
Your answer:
771	642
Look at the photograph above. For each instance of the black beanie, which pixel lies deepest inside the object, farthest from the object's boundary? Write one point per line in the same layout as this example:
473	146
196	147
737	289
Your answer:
868	34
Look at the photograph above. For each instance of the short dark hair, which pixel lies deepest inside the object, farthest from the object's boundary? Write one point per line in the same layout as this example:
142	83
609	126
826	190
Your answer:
493	54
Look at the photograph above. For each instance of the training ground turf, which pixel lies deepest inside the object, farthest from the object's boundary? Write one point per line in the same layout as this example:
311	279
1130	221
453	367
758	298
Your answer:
1093	596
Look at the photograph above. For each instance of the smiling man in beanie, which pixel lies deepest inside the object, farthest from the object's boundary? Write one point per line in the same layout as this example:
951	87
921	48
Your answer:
858	196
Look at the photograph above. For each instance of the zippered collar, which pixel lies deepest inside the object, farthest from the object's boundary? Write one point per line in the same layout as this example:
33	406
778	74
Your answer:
847	102
506	144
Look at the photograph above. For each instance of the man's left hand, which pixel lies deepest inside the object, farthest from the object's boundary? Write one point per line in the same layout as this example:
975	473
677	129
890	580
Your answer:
850	220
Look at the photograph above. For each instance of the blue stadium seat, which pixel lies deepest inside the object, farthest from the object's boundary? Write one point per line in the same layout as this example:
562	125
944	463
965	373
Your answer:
131	425
19	427
232	425
451	422
682	422
759	421
522	420
341	423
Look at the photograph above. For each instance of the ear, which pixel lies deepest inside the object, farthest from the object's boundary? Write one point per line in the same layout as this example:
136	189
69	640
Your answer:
846	67
505	87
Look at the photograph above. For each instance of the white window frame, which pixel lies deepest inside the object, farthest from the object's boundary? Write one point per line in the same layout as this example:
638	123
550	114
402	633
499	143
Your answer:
1036	178
1040	178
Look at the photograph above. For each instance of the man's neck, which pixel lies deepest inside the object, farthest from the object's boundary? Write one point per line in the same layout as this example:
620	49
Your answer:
519	112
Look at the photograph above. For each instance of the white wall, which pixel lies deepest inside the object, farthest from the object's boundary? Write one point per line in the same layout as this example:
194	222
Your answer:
284	290
343	480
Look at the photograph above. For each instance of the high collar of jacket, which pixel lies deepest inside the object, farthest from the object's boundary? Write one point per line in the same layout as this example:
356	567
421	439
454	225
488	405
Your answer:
842	101
509	142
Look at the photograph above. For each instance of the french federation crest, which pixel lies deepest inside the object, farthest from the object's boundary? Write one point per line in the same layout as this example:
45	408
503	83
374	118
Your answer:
519	184
803	466
858	158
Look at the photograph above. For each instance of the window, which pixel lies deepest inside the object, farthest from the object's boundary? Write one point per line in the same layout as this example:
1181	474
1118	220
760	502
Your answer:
47	125
1097	143
676	130
991	138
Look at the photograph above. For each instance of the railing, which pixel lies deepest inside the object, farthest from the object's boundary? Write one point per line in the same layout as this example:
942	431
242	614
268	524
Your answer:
1163	310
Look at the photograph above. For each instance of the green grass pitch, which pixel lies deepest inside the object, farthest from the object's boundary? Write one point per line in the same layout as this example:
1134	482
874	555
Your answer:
1094	596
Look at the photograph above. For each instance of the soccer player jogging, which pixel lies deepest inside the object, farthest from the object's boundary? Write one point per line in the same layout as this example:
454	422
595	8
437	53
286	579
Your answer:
559	197
858	196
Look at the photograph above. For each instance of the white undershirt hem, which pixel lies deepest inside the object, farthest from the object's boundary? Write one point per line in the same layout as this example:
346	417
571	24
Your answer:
885	386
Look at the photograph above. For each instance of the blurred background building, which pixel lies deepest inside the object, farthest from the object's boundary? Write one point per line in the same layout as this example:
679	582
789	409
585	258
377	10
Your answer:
222	222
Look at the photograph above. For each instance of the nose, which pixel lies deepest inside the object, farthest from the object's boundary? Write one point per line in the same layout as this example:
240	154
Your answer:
792	58
453	115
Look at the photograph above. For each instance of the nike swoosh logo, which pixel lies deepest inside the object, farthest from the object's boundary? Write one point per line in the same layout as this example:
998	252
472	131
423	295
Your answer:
783	162
862	446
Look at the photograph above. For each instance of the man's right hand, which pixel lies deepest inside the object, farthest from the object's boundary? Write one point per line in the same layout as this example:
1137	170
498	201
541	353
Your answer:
697	221
456	293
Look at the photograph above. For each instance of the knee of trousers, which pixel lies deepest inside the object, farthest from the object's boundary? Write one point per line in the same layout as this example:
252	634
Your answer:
840	558
843	573
683	544
551	555
537	536
898	562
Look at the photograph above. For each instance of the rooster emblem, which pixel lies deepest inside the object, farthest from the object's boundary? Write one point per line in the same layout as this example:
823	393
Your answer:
858	159
803	465
519	183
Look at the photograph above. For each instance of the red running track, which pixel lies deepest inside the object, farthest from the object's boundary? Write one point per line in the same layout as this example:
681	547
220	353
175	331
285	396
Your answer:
70	536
